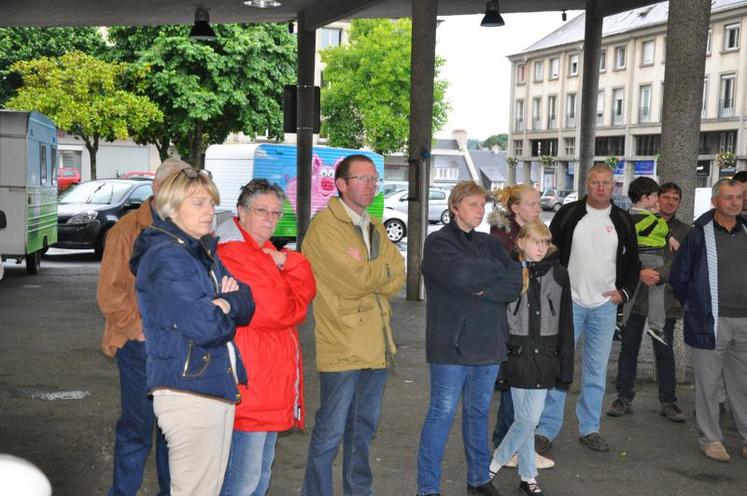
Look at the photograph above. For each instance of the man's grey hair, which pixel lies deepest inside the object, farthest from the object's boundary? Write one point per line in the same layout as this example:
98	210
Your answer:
168	167
721	182
257	187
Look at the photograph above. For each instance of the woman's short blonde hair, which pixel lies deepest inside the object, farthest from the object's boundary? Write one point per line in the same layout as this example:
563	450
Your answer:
462	190
177	187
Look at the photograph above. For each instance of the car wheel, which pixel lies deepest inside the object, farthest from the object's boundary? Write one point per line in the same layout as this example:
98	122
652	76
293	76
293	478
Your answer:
395	230
556	207
445	217
33	262
101	244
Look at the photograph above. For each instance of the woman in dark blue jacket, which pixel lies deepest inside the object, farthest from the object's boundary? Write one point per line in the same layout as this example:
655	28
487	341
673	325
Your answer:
190	306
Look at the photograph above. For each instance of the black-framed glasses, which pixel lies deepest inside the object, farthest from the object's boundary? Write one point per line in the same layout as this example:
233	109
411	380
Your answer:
193	173
264	213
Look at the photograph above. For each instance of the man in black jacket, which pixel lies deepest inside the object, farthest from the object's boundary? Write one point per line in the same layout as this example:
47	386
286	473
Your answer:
597	244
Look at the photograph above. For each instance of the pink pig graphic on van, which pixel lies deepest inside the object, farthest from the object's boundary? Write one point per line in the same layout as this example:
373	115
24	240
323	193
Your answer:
322	185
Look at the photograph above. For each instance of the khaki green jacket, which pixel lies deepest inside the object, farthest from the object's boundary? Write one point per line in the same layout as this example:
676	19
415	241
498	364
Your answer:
351	308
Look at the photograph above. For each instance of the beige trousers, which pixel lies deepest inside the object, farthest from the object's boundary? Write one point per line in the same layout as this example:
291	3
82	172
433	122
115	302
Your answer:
198	432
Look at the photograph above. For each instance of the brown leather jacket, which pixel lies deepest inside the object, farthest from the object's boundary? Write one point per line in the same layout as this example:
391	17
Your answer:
116	287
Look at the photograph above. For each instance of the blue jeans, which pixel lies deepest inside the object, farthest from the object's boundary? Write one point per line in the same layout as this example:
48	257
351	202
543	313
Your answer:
596	327
504	417
473	384
349	412
528	406
133	435
249	464
627	364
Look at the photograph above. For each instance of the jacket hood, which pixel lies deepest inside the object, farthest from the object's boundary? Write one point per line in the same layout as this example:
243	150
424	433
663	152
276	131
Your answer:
165	230
500	219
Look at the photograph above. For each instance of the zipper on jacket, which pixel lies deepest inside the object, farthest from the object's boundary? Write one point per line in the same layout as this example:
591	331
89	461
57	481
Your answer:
205	360
297	384
388	356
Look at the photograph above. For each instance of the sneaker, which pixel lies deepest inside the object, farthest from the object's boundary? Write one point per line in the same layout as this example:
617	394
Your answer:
619	407
542	462
716	451
530	488
657	335
672	412
594	442
542	444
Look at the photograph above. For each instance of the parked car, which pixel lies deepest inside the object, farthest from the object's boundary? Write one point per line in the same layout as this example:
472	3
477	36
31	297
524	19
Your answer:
137	175
395	223
66	177
552	199
570	197
391	186
438	206
87	211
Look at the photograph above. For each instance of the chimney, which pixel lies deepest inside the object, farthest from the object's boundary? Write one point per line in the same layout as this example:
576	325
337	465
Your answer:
460	135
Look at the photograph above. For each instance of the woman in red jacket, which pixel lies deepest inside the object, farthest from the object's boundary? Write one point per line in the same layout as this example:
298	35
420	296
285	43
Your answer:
283	285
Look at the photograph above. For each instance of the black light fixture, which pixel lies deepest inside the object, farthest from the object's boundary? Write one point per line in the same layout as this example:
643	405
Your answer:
492	16
201	30
564	16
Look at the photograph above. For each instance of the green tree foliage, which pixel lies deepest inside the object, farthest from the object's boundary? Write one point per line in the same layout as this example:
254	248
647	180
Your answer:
18	44
366	97
83	96
208	90
497	139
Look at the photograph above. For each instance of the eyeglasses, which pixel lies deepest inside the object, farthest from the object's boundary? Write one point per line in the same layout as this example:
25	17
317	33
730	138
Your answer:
540	242
263	213
367	180
193	173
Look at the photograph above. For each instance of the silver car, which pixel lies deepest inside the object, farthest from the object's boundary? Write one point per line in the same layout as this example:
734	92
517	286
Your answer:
438	207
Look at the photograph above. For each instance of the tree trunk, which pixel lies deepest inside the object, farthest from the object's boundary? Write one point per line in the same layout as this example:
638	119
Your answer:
195	152
92	145
163	147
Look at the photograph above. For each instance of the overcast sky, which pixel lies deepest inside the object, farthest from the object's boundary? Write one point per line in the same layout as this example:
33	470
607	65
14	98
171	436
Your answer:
479	72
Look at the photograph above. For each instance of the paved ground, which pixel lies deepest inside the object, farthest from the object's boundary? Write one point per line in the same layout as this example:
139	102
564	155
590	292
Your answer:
51	329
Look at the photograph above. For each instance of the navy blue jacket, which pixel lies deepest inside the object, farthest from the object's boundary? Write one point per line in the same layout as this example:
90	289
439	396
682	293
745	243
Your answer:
177	278
694	281
463	327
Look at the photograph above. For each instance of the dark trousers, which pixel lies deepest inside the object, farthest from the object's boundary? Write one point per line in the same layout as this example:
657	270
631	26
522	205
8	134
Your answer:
627	365
134	431
504	417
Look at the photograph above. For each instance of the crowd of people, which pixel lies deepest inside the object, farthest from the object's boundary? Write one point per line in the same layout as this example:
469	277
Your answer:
203	325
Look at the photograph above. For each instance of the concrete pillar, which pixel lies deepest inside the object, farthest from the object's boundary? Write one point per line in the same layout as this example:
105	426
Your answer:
305	111
628	173
589	90
560	174
687	33
422	72
527	172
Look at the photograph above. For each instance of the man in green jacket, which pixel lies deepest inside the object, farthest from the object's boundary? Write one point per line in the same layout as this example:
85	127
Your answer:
357	270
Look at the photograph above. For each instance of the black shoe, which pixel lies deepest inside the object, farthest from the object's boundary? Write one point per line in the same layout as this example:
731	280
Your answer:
672	412
530	489
487	489
619	407
542	444
594	442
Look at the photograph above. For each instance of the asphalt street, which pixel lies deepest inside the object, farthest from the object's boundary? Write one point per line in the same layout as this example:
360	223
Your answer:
59	401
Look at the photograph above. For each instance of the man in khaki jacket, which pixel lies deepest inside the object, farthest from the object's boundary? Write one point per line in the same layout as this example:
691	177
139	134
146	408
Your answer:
357	270
124	339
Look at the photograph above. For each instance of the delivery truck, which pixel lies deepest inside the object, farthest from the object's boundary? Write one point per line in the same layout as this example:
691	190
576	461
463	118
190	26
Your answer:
28	186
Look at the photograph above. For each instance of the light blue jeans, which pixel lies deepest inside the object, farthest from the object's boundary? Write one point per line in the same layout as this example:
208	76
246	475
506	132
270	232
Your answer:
528	406
596	327
473	385
249	464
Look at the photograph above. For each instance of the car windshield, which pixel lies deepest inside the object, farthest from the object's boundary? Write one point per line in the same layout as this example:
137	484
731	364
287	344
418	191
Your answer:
392	192
548	192
98	192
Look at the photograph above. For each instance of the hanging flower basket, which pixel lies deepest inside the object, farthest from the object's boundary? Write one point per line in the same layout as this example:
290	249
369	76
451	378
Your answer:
611	162
512	161
725	160
549	160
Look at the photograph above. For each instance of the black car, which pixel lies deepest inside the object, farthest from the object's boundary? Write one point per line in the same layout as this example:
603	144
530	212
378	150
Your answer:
88	210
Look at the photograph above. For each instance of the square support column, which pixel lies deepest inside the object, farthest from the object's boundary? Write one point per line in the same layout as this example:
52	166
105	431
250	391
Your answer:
305	112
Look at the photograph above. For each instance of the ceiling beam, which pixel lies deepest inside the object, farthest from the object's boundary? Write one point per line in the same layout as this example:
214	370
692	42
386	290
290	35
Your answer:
328	11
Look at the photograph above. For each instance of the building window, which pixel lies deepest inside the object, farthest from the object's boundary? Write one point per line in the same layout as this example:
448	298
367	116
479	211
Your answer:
731	37
647	145
521	73
600	108
552	112
537	113
544	147
618	106
727	141
518	148
519	116
708	43
330	37
603	60
554	68
703	108
447	173
644	104
726	96
573	64
570	146
619	58
570	110
647	52
538	67
609	145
